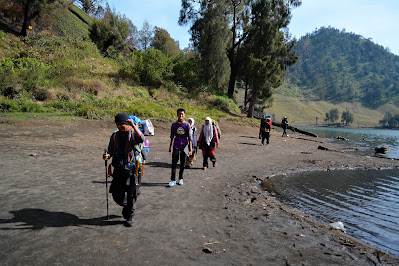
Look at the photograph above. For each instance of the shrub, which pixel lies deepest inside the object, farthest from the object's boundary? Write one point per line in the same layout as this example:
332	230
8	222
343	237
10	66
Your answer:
30	72
225	104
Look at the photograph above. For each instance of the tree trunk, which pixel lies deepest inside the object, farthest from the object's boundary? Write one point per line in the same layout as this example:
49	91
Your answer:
232	57
251	107
233	78
26	19
246	94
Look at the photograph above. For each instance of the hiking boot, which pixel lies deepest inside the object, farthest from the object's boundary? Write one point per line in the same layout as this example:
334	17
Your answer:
181	182
129	222
172	183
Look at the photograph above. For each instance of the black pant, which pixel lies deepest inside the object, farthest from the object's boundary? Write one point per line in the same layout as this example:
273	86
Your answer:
207	153
126	195
175	158
265	135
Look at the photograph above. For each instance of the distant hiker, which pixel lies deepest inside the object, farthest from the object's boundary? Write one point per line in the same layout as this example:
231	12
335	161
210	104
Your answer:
208	139
192	158
284	125
180	138
124	151
264	130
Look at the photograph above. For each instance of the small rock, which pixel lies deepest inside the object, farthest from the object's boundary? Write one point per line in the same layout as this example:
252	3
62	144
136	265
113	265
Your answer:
338	226
382	149
322	148
207	250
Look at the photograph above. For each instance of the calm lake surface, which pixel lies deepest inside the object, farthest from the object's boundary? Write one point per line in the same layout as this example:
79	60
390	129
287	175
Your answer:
366	201
361	140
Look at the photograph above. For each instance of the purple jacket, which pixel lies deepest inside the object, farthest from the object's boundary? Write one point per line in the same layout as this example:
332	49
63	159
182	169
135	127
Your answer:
181	135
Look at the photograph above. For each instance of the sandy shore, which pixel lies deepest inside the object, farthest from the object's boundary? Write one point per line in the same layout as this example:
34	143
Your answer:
53	202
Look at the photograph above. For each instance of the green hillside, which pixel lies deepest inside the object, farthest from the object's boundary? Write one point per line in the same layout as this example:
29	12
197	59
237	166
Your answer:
58	70
337	66
62	19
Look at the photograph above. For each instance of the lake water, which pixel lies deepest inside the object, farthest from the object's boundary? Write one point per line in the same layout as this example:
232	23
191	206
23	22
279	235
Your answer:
366	201
361	140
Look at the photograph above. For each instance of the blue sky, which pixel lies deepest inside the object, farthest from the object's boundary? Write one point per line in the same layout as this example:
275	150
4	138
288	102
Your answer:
375	19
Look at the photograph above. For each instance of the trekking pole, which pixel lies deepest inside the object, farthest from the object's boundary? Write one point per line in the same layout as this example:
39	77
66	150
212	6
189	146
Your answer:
106	181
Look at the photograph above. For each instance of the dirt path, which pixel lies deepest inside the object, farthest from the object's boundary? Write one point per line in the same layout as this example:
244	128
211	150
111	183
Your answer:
53	202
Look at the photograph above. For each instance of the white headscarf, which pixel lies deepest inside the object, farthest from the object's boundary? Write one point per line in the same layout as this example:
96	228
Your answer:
208	131
192	121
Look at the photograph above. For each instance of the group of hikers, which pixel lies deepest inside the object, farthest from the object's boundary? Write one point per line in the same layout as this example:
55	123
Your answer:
124	149
266	126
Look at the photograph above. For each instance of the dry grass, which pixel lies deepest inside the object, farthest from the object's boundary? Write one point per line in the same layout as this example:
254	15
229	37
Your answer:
303	112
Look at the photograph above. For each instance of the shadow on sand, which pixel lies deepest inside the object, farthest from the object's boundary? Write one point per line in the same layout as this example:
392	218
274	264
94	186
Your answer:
35	219
159	164
248	137
245	143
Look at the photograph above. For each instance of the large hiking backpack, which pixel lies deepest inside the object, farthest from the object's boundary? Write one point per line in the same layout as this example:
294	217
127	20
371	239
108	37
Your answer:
215	124
141	152
145	126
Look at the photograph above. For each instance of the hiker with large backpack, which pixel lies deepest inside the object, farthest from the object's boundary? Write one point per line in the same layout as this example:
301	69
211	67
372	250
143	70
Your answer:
264	129
180	137
124	149
208	139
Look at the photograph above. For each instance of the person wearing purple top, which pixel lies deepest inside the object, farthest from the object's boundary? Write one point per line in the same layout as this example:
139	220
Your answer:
180	138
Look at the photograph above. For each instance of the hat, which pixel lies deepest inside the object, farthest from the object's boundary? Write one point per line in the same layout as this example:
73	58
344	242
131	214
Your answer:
122	118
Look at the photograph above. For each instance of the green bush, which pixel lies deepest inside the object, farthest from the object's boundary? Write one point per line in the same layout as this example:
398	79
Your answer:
149	67
225	104
30	72
21	103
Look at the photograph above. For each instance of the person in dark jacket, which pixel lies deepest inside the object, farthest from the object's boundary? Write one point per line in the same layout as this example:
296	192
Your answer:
124	150
264	130
284	125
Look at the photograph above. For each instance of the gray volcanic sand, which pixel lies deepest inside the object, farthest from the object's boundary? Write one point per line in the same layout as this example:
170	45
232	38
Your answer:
53	201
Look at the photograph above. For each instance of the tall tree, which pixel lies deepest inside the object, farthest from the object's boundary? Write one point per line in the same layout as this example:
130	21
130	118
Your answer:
347	117
32	8
113	31
163	42
332	116
266	52
145	36
89	6
210	35
239	18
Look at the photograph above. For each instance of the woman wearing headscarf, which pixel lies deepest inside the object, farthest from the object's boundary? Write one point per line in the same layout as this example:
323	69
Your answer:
208	139
191	159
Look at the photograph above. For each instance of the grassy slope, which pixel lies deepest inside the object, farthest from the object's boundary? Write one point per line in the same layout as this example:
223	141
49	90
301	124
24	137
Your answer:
302	112
69	20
